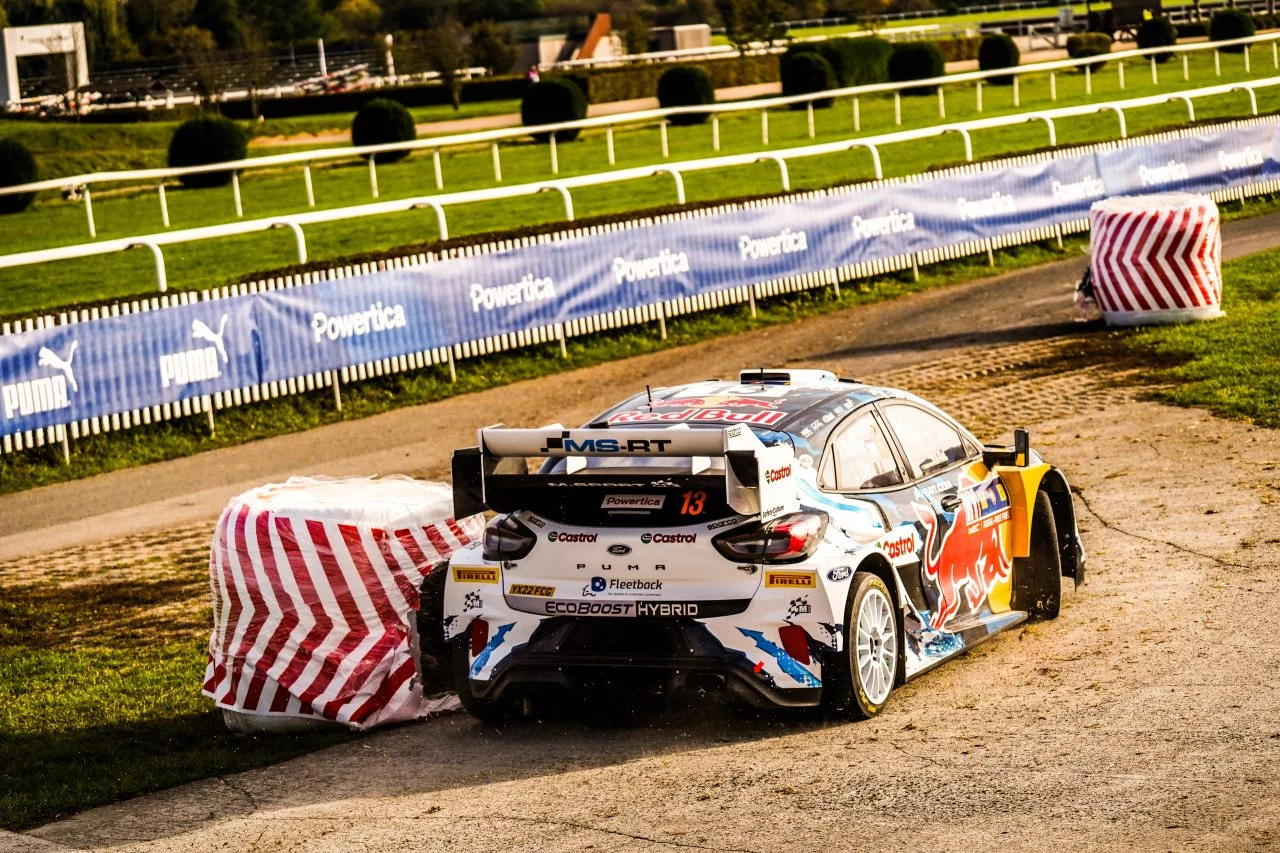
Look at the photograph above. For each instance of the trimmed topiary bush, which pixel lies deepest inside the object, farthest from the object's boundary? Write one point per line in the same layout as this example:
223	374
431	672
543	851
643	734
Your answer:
1089	44
1227	24
998	51
1158	32
209	139
382	121
807	72
686	86
17	166
1192	29
552	101
916	60
854	61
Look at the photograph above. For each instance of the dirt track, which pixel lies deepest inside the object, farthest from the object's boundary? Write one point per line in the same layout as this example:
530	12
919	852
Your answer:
1146	717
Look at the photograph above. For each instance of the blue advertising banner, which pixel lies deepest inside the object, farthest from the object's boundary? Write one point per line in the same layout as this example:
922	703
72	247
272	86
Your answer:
120	364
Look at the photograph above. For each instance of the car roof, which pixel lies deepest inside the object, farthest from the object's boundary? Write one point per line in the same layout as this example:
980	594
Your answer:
762	405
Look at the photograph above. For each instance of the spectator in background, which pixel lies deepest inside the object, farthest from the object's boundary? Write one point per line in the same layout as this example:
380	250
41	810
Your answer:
533	74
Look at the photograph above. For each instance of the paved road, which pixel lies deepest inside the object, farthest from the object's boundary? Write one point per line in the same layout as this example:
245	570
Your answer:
871	339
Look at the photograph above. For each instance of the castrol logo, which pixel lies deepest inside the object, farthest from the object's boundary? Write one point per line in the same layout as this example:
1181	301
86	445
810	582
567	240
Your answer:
777	474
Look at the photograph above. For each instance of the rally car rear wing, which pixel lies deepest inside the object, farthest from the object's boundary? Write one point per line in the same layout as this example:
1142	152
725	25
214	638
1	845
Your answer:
757	480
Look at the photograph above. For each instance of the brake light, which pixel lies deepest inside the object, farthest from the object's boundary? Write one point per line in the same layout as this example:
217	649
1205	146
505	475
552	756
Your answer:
507	539
788	539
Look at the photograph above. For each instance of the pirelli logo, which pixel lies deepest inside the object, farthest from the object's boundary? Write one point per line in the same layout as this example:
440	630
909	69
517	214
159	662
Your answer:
532	589
790	580
463	575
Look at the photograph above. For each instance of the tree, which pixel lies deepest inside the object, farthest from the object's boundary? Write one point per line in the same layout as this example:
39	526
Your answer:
288	22
445	43
490	48
353	20
632	21
747	21
222	18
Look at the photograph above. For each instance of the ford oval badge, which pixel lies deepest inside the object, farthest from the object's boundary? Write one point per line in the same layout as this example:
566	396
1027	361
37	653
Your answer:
620	550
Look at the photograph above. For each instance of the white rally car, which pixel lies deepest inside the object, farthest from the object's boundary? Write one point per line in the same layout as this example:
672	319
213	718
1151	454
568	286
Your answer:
791	537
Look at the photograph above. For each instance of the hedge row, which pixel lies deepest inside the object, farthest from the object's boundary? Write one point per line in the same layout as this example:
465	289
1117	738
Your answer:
641	81
427	95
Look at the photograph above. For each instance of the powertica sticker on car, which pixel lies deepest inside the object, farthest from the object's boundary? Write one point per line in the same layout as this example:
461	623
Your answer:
790	580
464	575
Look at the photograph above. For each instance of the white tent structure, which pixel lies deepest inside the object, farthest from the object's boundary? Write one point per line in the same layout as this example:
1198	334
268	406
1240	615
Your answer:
43	40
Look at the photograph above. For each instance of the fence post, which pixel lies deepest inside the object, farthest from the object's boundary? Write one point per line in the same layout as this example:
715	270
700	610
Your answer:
1275	55
1120	71
764	127
662	130
497	163
608	139
1017	93
66	445
1155	78
662	322
373	176
857	114
1217	62
235	193
564	349
810	111
1246	59
162	279
979	88
164	205
1186	67
897	108
88	211
435	163
1053	86
715	132
453	368
1088	80
311	193
337	390
942	104
555	156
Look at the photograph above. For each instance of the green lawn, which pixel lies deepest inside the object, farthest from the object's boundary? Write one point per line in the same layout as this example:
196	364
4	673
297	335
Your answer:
1230	366
201	265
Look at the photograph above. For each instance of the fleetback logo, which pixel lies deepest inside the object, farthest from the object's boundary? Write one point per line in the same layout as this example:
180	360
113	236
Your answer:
664	263
785	242
198	364
377	318
1245	158
997	204
1090	187
1166	174
528	289
556	536
44	393
893	222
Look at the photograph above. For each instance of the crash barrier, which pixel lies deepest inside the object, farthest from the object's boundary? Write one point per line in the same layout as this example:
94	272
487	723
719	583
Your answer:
115	367
315	587
676	171
83	183
1156	259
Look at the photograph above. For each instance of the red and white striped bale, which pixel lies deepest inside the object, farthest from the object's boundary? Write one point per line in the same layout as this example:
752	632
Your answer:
314	584
1157	259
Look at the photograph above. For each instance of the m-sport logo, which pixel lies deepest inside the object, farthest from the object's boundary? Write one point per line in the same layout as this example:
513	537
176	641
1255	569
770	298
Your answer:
198	364
44	393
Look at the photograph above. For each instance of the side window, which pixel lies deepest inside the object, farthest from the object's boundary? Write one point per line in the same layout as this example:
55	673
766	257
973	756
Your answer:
931	444
860	458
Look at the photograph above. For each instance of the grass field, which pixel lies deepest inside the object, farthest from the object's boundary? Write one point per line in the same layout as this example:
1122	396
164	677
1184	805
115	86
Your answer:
200	265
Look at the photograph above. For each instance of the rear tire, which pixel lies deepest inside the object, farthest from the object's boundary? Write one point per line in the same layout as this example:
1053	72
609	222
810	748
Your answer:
433	650
489	710
859	679
1037	578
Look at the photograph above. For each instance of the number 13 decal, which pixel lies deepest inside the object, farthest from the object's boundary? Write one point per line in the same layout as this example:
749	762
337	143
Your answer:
694	503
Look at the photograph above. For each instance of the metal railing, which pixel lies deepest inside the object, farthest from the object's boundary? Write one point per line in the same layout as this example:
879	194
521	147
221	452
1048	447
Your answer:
563	186
660	116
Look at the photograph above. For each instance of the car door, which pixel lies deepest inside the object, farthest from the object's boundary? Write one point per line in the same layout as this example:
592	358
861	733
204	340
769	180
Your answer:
964	513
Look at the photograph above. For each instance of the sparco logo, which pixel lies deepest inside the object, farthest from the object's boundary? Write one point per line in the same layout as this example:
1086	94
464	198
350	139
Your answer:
528	289
981	208
665	262
785	242
200	364
668	538
378	318
46	393
1166	174
893	222
777	474
555	536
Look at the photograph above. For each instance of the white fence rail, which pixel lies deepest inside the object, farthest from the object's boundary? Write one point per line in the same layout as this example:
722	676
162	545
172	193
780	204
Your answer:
660	116
563	186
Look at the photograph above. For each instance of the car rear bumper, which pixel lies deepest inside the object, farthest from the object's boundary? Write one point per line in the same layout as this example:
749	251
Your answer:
672	655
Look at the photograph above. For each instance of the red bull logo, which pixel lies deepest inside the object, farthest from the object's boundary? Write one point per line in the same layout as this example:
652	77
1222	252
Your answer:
967	559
